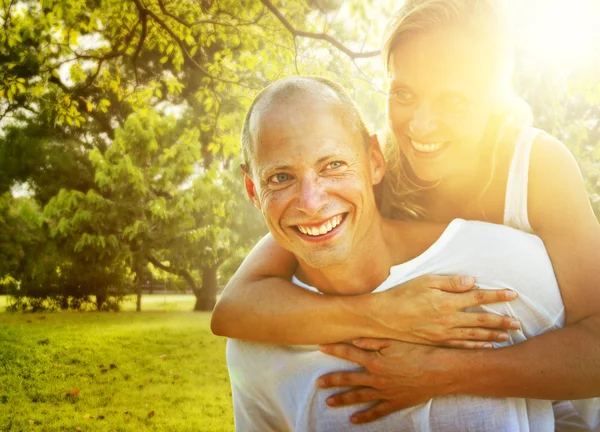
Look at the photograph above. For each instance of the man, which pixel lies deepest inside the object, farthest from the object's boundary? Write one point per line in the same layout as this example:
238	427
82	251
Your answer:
310	166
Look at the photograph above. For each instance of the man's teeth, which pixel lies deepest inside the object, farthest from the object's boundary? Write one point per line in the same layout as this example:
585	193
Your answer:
324	228
427	148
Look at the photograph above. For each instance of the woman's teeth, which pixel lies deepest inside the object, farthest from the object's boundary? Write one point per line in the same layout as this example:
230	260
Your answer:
321	229
426	148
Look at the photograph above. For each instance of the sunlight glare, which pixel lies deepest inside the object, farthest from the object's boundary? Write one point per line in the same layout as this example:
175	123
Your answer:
562	33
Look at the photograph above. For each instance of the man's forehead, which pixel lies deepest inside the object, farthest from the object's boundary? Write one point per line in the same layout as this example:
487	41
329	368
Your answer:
287	142
286	106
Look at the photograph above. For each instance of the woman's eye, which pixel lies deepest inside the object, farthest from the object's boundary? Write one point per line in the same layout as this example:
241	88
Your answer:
279	178
402	96
334	165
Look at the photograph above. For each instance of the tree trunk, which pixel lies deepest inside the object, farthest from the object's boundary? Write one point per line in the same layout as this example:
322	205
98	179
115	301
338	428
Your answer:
101	297
139	279
207	296
138	291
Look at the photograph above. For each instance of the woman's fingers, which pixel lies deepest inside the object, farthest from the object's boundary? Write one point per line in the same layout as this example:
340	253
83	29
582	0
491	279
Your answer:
478	297
452	284
478	334
346	379
347	352
352	397
376	412
464	344
371	344
487	320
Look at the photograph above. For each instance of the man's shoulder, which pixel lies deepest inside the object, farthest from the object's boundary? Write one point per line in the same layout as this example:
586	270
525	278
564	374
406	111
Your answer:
459	233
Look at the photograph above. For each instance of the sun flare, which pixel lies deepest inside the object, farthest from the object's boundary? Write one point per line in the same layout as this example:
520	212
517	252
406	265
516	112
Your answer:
559	32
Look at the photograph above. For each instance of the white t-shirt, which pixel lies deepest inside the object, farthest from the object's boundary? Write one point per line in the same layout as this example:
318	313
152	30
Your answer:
274	386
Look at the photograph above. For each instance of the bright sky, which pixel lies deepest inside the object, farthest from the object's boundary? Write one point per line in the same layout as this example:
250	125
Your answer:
553	32
560	32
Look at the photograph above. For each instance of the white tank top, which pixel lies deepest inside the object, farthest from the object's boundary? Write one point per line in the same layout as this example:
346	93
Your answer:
568	414
515	204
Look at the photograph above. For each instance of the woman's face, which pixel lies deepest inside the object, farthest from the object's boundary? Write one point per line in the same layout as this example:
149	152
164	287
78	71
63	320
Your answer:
442	91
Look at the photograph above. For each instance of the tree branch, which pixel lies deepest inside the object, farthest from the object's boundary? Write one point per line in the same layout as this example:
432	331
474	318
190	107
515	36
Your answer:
183	273
183	49
320	36
138	49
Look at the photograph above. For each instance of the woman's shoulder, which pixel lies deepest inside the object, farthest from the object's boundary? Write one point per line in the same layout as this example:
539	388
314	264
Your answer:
547	151
556	188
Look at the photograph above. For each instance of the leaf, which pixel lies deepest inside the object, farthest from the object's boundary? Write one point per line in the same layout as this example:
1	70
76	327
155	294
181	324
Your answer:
164	59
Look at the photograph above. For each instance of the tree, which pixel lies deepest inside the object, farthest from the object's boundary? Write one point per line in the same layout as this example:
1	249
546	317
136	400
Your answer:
80	86
83	87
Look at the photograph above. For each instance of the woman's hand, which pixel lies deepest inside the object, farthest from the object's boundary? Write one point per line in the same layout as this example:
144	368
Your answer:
429	310
396	375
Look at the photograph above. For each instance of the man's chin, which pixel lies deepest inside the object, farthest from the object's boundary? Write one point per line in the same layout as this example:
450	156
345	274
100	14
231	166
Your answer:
324	259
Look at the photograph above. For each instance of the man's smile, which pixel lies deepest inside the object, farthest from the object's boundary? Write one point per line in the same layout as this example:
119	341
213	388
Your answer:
322	229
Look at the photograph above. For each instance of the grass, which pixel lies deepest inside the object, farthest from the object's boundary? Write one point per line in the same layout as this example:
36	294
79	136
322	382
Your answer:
128	371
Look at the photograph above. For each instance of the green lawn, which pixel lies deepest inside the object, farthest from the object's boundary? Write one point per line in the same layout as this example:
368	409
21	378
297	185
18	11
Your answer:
125	371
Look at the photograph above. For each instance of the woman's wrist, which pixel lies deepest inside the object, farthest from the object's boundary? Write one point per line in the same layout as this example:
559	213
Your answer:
364	311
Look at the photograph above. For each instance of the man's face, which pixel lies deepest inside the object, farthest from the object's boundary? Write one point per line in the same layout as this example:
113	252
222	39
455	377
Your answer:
312	180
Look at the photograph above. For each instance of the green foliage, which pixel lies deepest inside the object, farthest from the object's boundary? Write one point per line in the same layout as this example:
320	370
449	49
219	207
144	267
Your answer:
85	93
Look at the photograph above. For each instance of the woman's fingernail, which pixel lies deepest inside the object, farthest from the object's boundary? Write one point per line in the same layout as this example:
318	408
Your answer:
467	280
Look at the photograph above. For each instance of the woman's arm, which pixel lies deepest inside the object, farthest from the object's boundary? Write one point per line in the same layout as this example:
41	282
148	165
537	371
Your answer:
563	364
261	304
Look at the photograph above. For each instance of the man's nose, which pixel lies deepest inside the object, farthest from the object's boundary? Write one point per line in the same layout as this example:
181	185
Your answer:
424	121
312	196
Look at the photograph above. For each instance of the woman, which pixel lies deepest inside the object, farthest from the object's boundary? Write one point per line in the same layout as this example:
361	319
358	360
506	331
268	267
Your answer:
460	147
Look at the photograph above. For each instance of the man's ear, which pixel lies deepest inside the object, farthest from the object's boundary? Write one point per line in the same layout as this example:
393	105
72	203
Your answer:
377	160
250	189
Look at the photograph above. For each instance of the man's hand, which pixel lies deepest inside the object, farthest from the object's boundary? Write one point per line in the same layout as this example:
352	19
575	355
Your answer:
430	310
397	375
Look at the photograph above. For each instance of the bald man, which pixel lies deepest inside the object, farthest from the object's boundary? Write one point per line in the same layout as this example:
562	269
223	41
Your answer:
310	167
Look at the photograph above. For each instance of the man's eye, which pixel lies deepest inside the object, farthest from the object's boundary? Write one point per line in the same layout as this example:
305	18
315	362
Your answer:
279	178
402	96
334	165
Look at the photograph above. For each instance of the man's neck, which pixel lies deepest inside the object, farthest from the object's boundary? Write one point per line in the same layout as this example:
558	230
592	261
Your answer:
366	269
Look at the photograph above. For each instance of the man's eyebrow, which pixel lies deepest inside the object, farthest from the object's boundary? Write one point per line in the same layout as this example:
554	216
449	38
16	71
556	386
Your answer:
272	167
328	156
